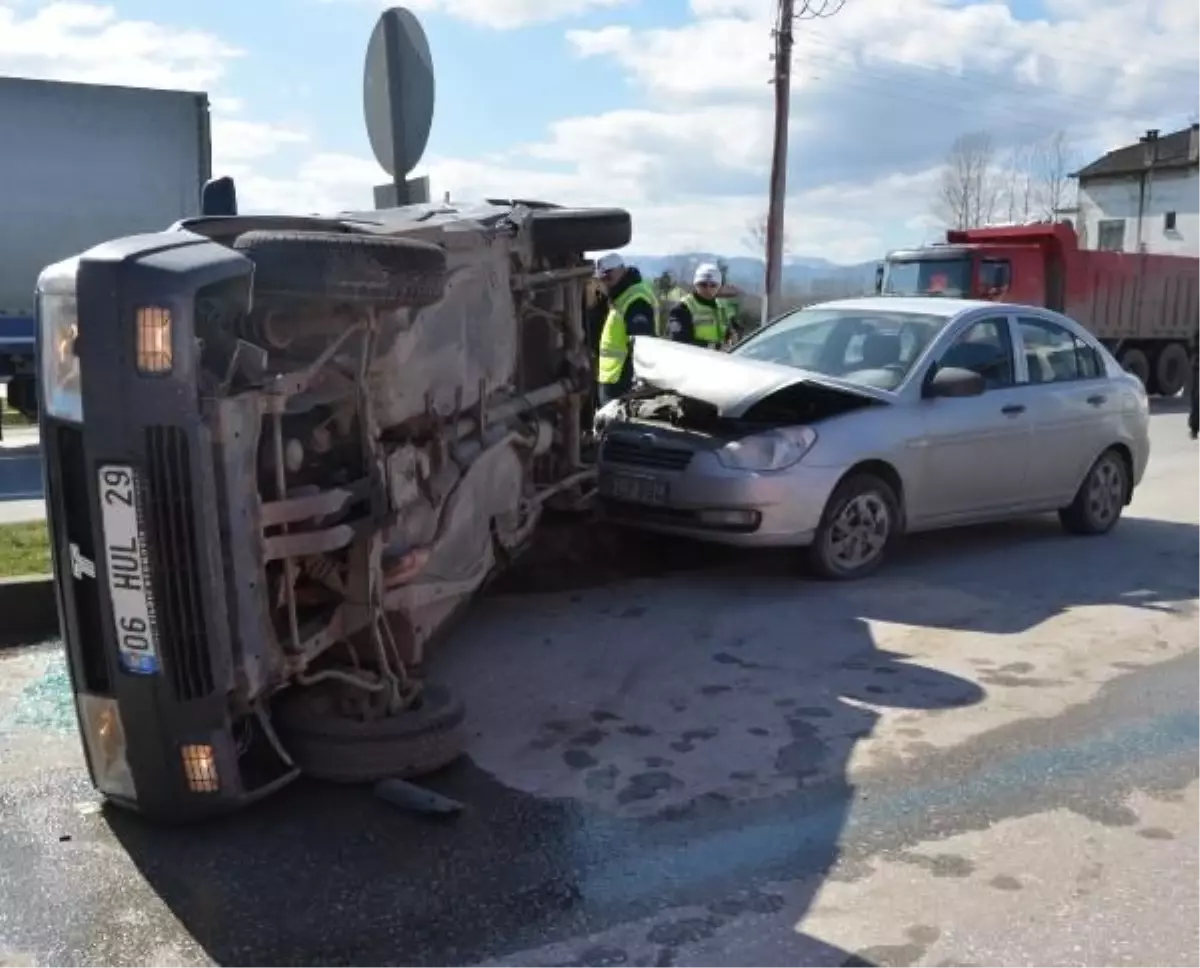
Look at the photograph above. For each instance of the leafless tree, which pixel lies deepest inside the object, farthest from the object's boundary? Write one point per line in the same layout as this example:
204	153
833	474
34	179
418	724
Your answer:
1030	181
755	238
1019	187
971	184
1051	164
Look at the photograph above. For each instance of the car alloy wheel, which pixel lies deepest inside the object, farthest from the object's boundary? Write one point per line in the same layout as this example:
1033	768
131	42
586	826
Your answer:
1101	497
859	532
858	527
1105	491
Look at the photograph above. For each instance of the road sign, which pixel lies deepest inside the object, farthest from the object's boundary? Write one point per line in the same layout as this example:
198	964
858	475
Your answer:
398	92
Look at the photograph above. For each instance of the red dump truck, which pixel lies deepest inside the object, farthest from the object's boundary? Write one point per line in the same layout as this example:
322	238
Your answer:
1142	306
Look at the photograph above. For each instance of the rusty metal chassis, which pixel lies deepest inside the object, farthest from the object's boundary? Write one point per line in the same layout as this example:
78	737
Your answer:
272	664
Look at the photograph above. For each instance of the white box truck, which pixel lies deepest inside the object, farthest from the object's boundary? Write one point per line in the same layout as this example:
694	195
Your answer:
81	164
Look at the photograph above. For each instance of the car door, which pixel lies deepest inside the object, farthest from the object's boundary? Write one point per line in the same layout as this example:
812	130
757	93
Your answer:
1070	406
976	449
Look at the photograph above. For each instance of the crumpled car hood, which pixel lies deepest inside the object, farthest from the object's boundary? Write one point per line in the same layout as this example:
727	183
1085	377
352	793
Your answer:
731	384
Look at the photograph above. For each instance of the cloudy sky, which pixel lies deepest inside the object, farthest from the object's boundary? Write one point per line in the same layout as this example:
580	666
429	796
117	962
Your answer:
659	106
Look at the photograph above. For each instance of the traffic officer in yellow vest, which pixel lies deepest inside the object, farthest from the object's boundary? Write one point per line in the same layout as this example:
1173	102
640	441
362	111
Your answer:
699	318
632	308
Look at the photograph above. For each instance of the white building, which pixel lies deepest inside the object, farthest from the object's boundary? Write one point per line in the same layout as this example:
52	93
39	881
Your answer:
1143	197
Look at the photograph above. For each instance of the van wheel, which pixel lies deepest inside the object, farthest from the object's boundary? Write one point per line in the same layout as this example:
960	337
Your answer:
857	529
344	268
1101	497
329	745
566	231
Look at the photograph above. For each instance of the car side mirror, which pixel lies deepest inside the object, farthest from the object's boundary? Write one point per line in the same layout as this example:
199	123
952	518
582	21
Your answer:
954	381
879	279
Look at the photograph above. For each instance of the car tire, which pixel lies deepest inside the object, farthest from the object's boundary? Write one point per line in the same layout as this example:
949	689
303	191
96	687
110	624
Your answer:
344	268
855	496
329	746
1135	361
1171	369
562	231
1101	497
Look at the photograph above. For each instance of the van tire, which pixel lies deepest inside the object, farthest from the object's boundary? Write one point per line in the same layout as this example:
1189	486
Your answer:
344	268
329	746
567	231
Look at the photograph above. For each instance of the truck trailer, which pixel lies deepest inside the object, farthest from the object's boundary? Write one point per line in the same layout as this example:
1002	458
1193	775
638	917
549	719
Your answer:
1142	306
82	163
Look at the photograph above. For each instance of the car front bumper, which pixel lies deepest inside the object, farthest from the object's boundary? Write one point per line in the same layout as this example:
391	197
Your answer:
708	501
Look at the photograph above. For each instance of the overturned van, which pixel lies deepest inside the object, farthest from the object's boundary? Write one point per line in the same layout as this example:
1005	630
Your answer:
280	454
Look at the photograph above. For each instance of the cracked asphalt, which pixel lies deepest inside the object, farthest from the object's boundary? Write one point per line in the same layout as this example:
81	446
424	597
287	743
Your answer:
985	755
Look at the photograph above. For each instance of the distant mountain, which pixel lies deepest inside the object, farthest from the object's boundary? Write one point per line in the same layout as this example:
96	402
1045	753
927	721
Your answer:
747	273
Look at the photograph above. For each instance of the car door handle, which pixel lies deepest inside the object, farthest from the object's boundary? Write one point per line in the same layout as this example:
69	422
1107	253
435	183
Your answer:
1096	399
1012	409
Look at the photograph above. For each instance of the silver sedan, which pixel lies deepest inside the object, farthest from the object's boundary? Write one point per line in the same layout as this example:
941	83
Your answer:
839	426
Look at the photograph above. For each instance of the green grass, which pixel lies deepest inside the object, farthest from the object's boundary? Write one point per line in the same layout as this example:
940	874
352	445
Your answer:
24	549
12	418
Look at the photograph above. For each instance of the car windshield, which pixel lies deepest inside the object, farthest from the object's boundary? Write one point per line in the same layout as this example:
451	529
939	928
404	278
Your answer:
871	347
928	277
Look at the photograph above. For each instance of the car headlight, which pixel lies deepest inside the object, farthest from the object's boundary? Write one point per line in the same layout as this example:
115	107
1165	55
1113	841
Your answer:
771	451
58	322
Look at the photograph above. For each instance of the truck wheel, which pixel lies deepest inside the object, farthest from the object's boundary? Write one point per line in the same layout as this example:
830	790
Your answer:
351	269
1171	369
1134	361
558	231
329	746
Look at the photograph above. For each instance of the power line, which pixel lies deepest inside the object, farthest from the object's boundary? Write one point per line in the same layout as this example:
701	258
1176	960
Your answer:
821	10
786	14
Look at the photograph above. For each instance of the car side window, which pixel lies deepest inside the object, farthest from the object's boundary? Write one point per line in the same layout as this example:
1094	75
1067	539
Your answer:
983	347
1054	354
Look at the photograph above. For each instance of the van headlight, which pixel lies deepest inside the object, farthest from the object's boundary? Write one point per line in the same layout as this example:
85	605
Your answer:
771	451
58	362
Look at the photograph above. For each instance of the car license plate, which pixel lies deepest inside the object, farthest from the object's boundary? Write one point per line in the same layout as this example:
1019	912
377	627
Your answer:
127	572
638	489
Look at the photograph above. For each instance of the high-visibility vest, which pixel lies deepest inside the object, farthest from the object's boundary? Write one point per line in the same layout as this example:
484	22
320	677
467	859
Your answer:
614	338
710	323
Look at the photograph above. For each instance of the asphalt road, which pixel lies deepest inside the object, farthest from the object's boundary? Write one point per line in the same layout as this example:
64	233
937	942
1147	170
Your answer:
985	755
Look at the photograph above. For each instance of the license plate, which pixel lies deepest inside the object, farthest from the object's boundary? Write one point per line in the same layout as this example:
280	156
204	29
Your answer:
638	489
127	572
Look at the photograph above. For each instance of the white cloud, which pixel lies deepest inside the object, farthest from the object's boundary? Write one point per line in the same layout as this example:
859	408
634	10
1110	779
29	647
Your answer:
88	42
879	92
503	14
91	43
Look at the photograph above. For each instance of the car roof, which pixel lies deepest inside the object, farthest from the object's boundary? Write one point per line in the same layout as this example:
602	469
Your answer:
928	305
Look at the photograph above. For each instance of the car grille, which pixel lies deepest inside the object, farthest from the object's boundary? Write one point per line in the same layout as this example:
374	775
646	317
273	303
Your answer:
632	450
175	564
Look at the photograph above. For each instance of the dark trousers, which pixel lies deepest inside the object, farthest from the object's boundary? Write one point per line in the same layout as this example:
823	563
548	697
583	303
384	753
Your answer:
1194	404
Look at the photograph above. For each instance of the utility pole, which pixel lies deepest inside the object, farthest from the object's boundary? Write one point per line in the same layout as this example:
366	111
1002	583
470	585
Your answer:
783	103
786	16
